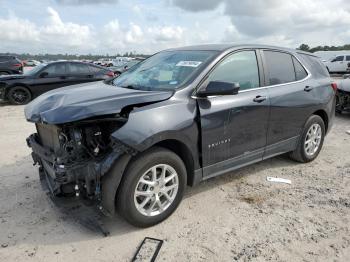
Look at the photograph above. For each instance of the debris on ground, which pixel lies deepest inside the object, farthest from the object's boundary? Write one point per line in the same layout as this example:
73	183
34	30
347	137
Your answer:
278	180
148	250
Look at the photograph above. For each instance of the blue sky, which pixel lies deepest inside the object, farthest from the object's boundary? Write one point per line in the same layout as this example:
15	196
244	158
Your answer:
112	26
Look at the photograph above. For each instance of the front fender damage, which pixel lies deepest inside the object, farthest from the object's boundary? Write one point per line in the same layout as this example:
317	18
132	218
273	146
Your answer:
100	178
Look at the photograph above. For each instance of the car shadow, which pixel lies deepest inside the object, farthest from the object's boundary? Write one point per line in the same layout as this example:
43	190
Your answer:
27	213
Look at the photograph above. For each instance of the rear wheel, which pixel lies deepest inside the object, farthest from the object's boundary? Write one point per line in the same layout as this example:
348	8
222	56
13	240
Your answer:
311	140
152	187
19	95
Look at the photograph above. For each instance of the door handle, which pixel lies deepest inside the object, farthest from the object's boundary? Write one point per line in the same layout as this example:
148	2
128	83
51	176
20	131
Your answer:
63	77
308	88
259	99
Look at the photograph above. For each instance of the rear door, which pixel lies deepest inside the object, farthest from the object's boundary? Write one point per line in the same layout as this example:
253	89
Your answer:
79	73
293	95
234	127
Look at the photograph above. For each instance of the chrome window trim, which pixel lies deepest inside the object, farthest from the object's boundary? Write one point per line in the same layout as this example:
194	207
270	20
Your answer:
309	75
283	84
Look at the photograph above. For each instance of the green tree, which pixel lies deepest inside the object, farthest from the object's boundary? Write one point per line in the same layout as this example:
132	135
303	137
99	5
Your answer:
304	47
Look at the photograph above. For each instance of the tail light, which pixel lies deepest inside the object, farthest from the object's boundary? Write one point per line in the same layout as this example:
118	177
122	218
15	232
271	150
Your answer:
110	74
334	86
18	65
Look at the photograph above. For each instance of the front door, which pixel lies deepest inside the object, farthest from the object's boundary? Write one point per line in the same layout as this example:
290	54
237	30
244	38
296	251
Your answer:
55	77
234	127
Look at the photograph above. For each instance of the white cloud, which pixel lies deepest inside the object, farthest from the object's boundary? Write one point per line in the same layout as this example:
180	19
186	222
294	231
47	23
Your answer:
280	22
141	27
134	35
55	36
16	29
166	34
71	35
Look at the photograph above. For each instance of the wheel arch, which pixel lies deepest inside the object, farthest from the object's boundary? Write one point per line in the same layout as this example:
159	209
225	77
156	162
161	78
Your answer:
183	151
323	114
7	90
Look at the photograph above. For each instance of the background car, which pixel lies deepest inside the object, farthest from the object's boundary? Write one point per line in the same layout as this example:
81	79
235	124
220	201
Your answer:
31	63
10	65
339	64
118	70
21	89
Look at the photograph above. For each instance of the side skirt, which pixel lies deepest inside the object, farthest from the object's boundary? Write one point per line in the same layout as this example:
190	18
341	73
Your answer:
247	159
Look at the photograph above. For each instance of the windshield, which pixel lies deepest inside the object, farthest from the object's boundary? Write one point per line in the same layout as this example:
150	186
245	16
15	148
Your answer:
35	69
166	70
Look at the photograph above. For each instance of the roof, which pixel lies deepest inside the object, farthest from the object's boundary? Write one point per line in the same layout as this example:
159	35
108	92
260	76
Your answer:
224	47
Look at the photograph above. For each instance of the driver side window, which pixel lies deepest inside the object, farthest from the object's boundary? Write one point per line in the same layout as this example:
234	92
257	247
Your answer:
55	69
240	67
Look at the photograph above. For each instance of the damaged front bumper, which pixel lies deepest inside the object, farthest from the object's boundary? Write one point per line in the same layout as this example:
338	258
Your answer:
81	180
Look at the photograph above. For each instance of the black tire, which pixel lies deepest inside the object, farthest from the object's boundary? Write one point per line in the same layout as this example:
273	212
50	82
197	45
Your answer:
4	73
299	154
338	107
125	198
116	74
19	95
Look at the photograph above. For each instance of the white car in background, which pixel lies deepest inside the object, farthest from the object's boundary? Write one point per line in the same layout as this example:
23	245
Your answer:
339	64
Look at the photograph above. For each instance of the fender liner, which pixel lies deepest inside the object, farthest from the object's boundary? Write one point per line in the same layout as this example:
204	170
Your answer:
110	184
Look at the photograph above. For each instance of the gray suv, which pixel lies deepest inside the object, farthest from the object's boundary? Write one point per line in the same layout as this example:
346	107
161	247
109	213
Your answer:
180	117
10	65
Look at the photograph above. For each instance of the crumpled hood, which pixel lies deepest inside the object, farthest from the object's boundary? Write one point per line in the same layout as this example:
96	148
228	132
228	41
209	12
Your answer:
11	77
83	101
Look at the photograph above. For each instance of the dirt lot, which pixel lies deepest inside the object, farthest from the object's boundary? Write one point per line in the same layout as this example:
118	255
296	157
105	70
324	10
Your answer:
239	216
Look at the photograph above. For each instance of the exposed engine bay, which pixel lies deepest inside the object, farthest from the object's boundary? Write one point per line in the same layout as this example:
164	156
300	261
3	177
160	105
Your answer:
343	95
70	155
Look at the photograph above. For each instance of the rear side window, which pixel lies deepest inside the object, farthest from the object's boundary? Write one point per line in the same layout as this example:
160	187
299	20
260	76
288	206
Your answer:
300	72
314	64
280	68
78	69
348	58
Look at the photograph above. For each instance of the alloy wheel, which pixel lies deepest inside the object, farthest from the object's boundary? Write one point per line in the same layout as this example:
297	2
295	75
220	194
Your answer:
313	139
19	96
156	190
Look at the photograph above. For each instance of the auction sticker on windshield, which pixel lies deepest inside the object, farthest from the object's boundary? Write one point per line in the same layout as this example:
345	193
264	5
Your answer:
189	63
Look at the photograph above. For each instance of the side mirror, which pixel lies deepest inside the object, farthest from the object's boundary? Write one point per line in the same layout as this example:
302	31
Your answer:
217	88
43	74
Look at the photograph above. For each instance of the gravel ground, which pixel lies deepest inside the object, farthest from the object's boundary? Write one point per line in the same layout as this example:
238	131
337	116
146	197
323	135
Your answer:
238	216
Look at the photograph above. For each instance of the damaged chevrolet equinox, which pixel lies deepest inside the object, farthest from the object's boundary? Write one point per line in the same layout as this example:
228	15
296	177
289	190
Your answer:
133	143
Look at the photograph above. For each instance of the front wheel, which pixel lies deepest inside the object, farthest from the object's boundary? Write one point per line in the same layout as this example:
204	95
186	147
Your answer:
311	140
19	95
152	187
